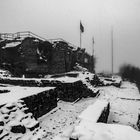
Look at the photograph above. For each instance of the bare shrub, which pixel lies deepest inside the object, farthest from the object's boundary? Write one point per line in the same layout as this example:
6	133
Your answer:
130	73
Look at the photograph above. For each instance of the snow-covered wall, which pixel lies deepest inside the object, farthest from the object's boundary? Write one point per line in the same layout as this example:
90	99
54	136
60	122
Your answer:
68	88
97	112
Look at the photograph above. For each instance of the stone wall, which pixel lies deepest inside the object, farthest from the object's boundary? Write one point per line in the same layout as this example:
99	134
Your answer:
73	91
97	112
39	100
67	91
41	103
34	58
30	82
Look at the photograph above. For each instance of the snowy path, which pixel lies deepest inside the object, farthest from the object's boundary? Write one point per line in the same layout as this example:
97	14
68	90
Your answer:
125	104
64	116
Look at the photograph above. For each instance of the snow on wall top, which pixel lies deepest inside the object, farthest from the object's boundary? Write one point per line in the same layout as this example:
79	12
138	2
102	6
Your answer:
17	93
93	112
66	79
61	79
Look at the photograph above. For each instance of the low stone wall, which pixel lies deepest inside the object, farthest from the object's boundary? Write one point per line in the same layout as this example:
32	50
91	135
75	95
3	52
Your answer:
67	91
104	115
41	103
29	82
97	112
73	91
104	81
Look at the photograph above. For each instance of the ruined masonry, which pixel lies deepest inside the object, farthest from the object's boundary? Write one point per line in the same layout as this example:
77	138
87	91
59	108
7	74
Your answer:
25	53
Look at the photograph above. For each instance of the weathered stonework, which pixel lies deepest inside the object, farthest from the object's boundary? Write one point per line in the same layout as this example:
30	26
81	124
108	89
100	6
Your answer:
17	122
36	58
41	103
67	91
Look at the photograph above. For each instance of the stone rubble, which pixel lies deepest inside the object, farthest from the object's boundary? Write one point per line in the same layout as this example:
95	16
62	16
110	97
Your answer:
16	122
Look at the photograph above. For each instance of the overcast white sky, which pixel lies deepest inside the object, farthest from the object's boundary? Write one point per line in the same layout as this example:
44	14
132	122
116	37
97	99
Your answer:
61	18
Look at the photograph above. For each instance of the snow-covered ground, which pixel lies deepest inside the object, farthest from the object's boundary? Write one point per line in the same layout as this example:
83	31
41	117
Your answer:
124	102
87	130
64	116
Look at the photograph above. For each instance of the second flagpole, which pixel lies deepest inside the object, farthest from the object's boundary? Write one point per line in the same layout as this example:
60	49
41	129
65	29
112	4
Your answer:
81	31
80	40
80	36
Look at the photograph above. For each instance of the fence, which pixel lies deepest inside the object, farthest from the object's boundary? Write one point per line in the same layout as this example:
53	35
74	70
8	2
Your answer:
24	34
20	35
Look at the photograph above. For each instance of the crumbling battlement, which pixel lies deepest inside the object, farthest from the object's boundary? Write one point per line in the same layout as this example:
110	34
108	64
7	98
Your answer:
33	57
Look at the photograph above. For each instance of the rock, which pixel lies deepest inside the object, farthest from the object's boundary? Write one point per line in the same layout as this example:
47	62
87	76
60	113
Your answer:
73	138
1	129
18	129
10	106
4	110
31	124
4	134
1	123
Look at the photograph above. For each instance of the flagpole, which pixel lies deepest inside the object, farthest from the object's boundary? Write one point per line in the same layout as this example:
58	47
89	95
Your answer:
93	53
80	37
81	31
112	49
80	40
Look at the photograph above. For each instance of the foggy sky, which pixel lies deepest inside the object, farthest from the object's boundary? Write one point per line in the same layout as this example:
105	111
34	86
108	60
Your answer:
61	19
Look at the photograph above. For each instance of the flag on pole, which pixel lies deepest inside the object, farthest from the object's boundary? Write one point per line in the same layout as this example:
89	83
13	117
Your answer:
81	27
